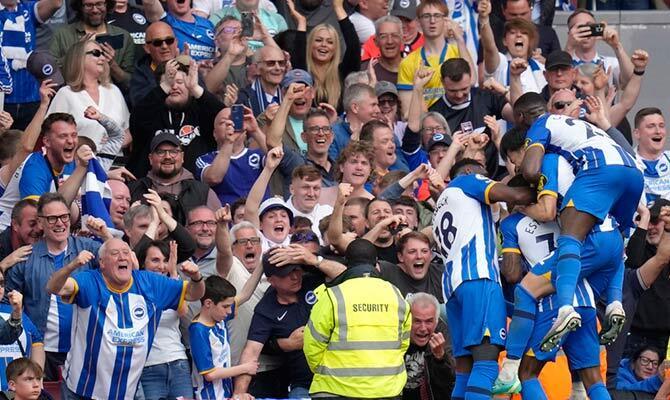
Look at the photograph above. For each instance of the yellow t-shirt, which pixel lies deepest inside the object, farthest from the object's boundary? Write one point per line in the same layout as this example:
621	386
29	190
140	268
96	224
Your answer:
408	66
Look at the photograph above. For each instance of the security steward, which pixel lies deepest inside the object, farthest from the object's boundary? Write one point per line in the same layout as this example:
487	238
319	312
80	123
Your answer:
358	333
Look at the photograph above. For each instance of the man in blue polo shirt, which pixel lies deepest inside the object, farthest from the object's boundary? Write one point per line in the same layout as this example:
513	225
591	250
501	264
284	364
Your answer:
18	23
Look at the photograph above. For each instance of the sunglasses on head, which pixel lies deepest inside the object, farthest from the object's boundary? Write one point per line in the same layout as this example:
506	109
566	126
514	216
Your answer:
302	237
95	53
159	42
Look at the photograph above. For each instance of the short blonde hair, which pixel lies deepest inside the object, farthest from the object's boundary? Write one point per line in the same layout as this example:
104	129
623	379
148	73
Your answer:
74	67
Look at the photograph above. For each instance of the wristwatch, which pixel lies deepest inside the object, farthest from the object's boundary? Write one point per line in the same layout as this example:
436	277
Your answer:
319	260
14	323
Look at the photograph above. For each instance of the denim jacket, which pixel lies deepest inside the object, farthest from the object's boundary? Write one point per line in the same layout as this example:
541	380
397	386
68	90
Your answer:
30	277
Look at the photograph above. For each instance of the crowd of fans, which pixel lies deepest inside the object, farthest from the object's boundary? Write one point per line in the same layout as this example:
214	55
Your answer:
193	193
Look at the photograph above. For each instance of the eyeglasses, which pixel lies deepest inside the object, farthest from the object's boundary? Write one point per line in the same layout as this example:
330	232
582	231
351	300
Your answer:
230	29
316	129
430	17
90	6
644	361
159	42
51	219
433	130
272	63
163	152
559	105
200	224
387	36
95	53
301	237
388	102
253	240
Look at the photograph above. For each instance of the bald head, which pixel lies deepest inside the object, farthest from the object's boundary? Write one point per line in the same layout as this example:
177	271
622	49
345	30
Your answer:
162	33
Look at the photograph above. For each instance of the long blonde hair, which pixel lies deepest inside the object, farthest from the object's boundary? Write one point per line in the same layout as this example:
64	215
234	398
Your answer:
74	67
326	78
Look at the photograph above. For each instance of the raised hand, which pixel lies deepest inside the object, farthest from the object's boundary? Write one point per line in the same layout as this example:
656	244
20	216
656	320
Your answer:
6	120
47	91
422	77
190	269
344	190
92	113
273	158
223	215
640	59
517	66
83	258
84	155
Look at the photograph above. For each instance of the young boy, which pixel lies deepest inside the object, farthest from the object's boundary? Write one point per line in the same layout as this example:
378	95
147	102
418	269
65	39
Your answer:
209	340
25	379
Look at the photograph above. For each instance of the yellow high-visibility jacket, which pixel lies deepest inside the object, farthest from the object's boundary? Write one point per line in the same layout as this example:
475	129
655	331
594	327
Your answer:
356	338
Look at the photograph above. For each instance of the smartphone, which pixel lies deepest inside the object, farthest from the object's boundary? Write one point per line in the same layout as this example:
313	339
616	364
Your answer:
116	41
596	29
237	115
247	24
466	128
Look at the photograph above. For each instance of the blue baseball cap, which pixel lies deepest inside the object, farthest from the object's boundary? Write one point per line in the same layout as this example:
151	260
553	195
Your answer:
297	76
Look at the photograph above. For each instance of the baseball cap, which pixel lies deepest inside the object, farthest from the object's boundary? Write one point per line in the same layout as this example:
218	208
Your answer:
439	138
270	269
274	203
383	87
404	8
297	76
558	58
164	138
655	209
42	65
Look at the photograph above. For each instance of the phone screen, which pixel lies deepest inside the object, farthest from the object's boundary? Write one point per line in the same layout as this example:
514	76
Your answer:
237	115
247	24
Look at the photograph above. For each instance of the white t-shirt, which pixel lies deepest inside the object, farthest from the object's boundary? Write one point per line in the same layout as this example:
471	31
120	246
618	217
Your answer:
111	103
167	346
319	212
365	27
238	327
532	79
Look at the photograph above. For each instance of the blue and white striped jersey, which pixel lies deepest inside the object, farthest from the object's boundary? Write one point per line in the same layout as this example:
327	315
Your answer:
210	348
17	41
464	229
557	177
584	145
29	338
656	177
114	331
532	239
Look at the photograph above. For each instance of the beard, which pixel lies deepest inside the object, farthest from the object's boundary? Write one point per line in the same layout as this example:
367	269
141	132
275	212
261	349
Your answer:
168	175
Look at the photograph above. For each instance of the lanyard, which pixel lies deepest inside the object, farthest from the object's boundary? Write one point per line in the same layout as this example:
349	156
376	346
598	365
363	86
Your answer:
51	171
443	55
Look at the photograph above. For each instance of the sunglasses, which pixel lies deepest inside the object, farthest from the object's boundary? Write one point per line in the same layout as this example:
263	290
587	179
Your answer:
302	237
272	63
159	42
559	105
95	53
388	102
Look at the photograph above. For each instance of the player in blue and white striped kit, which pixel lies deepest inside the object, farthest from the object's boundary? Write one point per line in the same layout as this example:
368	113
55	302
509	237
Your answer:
607	181
463	226
602	257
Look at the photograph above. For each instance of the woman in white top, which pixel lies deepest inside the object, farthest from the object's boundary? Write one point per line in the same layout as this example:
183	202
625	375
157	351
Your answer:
86	73
166	373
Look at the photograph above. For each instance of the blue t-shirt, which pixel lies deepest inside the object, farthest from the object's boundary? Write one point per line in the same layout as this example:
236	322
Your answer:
243	171
199	35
